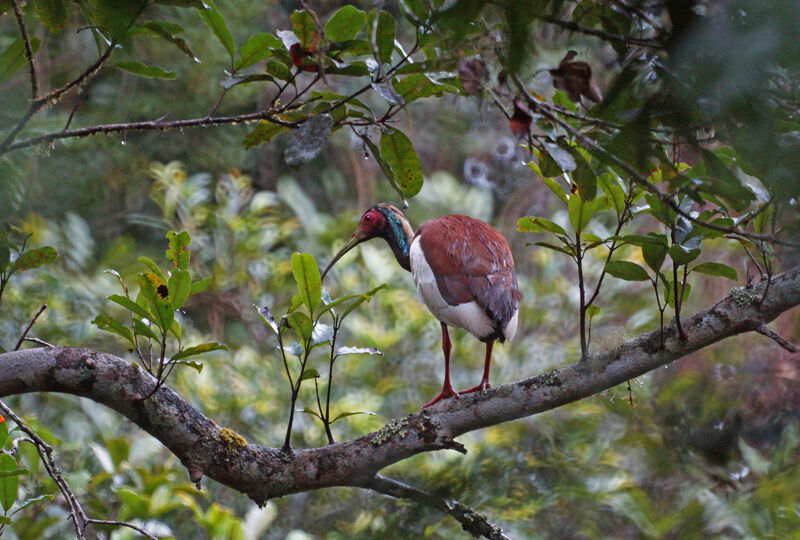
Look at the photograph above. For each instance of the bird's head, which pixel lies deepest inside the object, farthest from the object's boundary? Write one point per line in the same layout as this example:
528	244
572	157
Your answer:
384	221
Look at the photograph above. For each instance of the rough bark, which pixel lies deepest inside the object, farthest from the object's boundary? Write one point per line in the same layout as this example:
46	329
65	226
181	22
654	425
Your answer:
262	472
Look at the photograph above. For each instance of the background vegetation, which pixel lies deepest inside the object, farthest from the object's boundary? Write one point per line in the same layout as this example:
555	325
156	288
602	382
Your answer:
710	448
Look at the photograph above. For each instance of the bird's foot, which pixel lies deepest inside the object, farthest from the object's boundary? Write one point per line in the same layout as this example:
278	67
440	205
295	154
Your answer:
482	388
447	392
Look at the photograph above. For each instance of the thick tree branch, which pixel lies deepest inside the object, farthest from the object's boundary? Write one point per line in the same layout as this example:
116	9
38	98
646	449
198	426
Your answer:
261	472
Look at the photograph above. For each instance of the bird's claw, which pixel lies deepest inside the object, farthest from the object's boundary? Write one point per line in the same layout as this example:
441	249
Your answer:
447	392
482	388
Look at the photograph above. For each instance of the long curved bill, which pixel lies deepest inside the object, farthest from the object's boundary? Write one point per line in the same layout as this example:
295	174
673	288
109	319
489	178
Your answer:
352	242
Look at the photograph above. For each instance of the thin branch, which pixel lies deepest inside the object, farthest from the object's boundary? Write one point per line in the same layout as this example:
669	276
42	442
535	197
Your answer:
115	523
30	325
26	40
606	36
40	342
148	125
473	522
764	330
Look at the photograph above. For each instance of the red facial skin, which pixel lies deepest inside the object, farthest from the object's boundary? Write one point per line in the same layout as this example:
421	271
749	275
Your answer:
371	224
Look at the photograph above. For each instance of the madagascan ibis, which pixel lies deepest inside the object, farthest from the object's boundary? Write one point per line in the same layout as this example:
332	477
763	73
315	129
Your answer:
464	273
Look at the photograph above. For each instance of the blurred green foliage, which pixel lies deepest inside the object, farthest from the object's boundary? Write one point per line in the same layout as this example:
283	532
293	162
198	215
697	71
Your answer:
709	451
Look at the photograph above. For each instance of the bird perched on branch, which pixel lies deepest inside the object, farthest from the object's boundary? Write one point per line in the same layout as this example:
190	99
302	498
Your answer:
464	273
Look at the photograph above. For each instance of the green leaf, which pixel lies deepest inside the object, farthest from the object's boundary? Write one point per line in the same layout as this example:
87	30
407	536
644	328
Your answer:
265	131
309	373
627	270
562	158
230	82
654	254
384	36
148	262
26	503
200	286
5	520
351	413
300	323
580	212
345	24
669	290
354	305
34	258
399	154
304	28
278	70
3	431
166	31
538	224
583	176
179	287
109	324
144	330
716	269
312	412
418	86
156	292
53	13
130	305
592	311
341	351
9	485
266	314
177	252
555	187
15	472
609	183
116	17
306	275
142	70
721	181
176	330
183	3
197	366
256	49
561	249
683	255
216	23
199	349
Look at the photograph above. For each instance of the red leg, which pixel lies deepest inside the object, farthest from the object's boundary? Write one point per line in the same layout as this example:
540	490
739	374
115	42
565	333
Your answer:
447	388
485	379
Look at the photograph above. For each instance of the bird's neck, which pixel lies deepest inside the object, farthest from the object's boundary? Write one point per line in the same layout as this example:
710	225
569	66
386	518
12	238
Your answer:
399	236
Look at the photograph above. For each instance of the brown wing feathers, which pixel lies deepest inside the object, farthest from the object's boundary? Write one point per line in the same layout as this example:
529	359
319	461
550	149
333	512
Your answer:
472	261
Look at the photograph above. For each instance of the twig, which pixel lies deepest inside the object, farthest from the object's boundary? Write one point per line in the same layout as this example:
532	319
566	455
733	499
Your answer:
30	325
764	330
473	522
617	38
147	125
26	40
40	342
115	523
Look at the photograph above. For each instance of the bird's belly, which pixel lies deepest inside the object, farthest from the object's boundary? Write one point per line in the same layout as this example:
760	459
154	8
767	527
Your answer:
469	315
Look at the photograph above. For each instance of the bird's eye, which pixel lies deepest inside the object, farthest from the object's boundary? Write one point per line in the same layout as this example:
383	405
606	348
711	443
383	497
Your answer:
367	218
